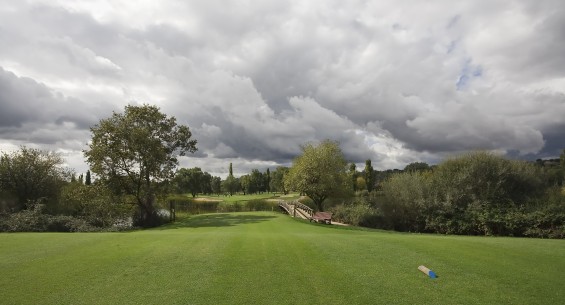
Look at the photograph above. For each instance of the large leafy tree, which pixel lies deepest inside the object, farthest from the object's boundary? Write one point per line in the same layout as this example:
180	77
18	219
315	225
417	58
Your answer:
277	179
231	184
417	167
29	175
136	151
245	182
216	185
189	180
206	183
320	172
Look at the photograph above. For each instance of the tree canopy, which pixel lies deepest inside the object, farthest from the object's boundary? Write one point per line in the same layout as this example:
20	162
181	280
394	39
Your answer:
29	174
136	150
189	180
320	172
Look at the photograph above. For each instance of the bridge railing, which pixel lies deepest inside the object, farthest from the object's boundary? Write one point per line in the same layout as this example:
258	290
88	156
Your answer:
295	208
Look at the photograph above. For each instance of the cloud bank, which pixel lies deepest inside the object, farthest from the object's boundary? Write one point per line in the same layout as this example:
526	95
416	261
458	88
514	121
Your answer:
392	82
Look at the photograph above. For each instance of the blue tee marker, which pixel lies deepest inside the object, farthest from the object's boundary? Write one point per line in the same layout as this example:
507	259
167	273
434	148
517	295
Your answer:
427	271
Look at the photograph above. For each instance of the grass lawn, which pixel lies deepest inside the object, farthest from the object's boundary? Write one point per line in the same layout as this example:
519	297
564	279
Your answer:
269	258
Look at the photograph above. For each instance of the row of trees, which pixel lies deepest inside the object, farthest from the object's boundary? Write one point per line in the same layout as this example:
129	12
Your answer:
195	181
134	157
364	180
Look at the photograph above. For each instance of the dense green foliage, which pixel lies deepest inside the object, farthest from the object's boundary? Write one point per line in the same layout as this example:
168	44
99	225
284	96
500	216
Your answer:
189	180
369	175
277	180
268	258
96	204
29	176
478	194
135	151
320	172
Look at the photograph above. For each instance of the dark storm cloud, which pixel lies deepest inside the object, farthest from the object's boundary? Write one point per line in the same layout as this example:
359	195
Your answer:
392	82
30	111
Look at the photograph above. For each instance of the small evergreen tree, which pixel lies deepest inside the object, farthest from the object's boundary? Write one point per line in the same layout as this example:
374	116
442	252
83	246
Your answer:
369	175
87	180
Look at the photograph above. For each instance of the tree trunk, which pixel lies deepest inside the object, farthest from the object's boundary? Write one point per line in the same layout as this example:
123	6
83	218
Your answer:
318	201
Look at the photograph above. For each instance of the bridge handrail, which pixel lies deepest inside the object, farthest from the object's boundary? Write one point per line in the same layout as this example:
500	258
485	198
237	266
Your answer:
304	207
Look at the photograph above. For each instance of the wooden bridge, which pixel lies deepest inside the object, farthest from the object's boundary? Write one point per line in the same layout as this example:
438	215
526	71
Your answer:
296	209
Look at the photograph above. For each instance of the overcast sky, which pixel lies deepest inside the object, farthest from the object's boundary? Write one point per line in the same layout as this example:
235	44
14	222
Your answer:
393	81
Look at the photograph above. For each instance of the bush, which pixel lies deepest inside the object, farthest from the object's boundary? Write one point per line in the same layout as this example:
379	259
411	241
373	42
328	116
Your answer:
64	223
30	220
476	194
33	220
358	213
94	203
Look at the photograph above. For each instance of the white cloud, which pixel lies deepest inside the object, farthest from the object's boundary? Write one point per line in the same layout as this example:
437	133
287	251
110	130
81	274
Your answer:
393	82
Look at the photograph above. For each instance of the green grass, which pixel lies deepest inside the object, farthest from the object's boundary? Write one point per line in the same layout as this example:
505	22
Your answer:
269	258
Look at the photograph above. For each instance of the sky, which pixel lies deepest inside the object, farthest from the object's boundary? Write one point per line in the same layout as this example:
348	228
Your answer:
393	81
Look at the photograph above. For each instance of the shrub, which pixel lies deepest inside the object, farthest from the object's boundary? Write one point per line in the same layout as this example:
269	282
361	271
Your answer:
358	213
29	220
94	203
33	220
64	223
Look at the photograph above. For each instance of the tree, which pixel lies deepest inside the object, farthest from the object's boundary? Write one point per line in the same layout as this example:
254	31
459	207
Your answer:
320	172
353	175
245	182
29	175
87	181
369	175
360	183
231	184
216	185
189	180
417	167
137	150
268	180
562	163
206	183
255	181
277	181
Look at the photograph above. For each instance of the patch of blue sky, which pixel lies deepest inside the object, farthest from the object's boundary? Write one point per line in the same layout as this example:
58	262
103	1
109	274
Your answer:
468	73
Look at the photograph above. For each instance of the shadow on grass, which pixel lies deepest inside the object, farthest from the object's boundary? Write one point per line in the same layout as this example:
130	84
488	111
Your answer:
215	220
